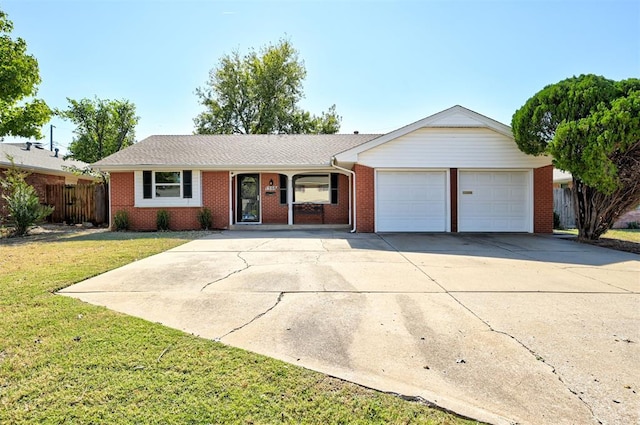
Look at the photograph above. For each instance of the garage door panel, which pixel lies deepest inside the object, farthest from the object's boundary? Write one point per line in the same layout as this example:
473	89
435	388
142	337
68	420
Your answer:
411	201
493	201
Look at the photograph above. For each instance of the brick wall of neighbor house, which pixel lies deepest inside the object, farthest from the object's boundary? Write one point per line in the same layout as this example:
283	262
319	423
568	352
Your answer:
39	183
365	198
215	196
273	212
543	199
453	184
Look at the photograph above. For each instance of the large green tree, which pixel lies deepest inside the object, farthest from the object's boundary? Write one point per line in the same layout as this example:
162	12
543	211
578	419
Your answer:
103	127
19	79
591	127
259	94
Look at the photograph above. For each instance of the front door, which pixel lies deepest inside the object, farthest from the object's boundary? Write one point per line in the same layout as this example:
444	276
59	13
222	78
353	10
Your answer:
248	204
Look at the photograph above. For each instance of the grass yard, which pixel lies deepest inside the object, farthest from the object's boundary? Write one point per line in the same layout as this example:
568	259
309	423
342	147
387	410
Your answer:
64	361
619	239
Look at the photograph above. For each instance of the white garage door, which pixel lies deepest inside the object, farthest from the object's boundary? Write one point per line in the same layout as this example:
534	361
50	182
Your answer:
494	201
411	201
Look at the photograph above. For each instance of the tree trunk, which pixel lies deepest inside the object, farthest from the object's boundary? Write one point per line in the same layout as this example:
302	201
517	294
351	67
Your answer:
596	212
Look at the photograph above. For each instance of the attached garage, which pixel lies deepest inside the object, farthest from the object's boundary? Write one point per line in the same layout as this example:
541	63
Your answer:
494	201
411	201
454	171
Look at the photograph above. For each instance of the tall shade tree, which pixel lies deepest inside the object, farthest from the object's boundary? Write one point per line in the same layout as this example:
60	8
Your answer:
19	79
103	127
591	127
259	94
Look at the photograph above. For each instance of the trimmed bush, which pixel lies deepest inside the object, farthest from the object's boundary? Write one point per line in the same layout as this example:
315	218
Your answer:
121	220
633	225
205	219
162	220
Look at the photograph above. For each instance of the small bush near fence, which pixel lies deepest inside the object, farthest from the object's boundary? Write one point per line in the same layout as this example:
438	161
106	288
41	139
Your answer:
162	220
22	202
121	220
556	221
205	219
633	225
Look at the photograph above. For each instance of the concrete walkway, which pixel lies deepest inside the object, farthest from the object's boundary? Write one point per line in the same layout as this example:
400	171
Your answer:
502	328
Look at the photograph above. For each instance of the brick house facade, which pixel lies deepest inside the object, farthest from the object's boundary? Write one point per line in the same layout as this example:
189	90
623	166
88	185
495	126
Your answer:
453	171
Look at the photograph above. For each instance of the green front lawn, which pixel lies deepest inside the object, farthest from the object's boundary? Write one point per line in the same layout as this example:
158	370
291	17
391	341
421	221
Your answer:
64	361
629	235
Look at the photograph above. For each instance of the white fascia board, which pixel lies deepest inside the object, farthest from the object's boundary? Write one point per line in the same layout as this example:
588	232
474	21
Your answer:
351	155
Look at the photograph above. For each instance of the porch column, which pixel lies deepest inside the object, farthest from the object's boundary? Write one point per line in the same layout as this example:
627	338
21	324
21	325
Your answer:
290	199
230	198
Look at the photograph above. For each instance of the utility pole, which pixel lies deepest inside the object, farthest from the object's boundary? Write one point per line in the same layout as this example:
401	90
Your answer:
51	127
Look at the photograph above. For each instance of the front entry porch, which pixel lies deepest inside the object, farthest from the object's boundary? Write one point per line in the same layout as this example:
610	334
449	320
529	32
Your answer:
313	199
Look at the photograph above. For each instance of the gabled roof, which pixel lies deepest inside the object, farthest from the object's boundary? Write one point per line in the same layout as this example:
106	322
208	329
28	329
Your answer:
233	151
454	117
36	160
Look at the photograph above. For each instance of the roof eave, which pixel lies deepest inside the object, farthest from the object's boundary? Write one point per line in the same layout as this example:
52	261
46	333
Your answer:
225	167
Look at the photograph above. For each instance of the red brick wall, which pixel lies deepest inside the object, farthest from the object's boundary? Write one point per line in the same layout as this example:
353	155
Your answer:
543	199
215	196
273	212
365	198
339	213
453	184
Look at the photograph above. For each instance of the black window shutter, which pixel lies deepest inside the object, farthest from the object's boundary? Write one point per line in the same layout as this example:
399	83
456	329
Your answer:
186	184
146	185
334	188
283	189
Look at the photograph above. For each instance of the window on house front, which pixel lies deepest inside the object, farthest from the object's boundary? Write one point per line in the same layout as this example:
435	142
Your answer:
167	184
315	188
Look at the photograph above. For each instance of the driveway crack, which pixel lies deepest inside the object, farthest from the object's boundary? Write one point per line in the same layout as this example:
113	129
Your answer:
492	329
533	353
280	296
246	266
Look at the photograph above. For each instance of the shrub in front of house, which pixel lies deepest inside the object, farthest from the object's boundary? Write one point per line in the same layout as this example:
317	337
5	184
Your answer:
205	218
22	202
121	220
162	220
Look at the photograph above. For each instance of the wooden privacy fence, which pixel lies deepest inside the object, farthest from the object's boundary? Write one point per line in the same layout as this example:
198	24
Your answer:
77	203
563	206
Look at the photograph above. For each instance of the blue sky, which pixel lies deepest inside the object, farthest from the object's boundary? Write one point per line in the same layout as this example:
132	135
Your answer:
384	64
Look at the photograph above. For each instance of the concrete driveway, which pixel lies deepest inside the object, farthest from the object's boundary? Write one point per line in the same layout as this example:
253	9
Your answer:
502	328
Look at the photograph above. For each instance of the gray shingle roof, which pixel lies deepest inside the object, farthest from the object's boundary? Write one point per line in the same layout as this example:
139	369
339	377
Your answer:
40	160
218	151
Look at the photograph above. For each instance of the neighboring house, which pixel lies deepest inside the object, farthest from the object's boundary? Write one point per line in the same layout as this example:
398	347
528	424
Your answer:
564	180
455	171
45	167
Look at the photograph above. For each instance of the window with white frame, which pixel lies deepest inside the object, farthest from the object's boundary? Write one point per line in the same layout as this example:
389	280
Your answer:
167	184
315	188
